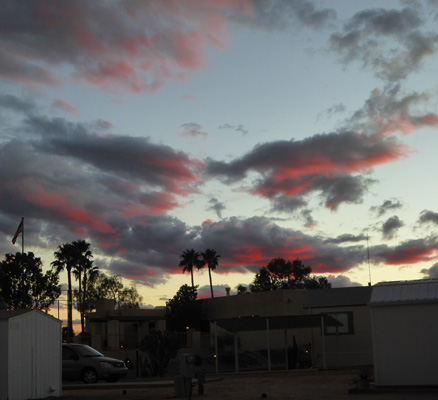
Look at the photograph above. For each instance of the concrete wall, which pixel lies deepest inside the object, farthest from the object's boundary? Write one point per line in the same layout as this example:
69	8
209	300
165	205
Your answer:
405	351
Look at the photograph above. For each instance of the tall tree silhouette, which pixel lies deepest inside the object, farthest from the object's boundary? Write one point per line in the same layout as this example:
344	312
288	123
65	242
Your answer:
65	260
82	267
211	259
190	259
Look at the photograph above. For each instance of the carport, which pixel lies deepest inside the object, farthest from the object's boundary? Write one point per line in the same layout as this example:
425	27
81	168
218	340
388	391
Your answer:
257	323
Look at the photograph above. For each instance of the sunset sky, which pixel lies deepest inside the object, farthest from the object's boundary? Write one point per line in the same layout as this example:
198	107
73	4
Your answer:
261	128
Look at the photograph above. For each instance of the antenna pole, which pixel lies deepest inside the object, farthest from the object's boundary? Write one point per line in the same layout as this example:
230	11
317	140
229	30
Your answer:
369	267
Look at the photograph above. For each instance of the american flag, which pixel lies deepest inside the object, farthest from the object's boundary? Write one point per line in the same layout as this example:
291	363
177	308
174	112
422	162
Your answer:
19	230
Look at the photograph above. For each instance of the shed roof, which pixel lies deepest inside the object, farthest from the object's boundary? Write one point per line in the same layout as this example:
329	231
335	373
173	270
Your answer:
405	292
257	323
348	296
6	314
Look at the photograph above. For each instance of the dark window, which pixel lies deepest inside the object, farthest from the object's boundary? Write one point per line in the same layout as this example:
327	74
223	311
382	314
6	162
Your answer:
68	354
346	319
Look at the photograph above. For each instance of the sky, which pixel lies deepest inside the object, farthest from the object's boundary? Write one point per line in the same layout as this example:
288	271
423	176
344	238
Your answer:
259	128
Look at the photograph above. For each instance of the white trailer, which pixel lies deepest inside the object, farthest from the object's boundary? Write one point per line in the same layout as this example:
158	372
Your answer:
404	318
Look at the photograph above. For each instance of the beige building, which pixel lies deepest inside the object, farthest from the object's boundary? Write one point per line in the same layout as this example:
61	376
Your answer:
113	330
283	329
118	333
346	345
331	327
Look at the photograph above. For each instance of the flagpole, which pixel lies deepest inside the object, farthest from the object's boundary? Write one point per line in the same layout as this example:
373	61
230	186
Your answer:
22	237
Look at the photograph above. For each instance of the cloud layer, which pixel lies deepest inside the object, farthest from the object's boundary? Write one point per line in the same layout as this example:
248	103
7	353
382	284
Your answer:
79	178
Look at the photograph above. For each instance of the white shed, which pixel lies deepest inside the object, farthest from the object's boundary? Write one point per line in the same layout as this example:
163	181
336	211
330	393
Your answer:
30	362
404	319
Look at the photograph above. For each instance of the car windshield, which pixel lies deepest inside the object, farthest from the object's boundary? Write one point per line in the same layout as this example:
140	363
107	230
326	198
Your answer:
87	351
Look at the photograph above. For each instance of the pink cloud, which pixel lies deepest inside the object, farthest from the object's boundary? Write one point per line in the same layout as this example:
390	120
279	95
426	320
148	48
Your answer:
117	46
63	105
59	204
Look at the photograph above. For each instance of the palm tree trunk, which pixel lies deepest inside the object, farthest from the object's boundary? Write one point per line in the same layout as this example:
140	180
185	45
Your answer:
84	283
69	309
211	284
193	282
81	302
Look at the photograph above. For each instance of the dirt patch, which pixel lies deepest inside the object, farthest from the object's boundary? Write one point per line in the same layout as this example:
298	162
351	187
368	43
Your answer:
308	385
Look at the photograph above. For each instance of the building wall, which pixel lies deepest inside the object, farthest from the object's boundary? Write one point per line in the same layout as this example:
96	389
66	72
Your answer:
344	350
122	329
404	337
340	351
118	333
263	304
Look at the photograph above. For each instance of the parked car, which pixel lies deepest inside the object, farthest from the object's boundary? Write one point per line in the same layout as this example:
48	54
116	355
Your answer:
80	361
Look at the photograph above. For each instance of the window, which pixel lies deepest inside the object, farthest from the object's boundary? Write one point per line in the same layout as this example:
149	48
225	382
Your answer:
68	354
346	319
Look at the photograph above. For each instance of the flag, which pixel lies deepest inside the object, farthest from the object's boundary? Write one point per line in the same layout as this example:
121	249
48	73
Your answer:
19	230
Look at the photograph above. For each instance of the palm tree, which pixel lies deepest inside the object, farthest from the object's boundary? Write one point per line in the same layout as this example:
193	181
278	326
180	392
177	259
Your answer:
210	258
82	255
65	259
189	260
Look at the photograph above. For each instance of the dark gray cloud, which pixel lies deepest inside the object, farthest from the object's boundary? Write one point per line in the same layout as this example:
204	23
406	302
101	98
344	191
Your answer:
132	157
387	205
106	44
13	103
390	110
216	206
345	238
407	252
192	129
388	41
286	14
251	243
428	216
432	272
307	216
238	128
341	281
286	204
391	226
323	163
204	292
72	180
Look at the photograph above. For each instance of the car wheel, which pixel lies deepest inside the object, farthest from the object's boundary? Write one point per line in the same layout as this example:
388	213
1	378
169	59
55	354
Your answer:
89	375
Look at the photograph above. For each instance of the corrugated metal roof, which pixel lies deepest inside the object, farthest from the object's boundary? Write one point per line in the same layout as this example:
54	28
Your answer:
425	290
348	296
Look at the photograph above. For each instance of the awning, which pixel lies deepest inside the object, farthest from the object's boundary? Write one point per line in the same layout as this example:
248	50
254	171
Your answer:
257	323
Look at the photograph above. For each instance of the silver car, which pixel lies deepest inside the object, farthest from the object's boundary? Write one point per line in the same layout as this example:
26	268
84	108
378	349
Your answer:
80	361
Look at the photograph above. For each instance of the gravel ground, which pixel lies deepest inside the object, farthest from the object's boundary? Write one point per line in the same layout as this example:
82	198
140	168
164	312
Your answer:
302	385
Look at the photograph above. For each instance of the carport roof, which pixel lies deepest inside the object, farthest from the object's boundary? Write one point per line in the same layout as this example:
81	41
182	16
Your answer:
127	318
257	323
